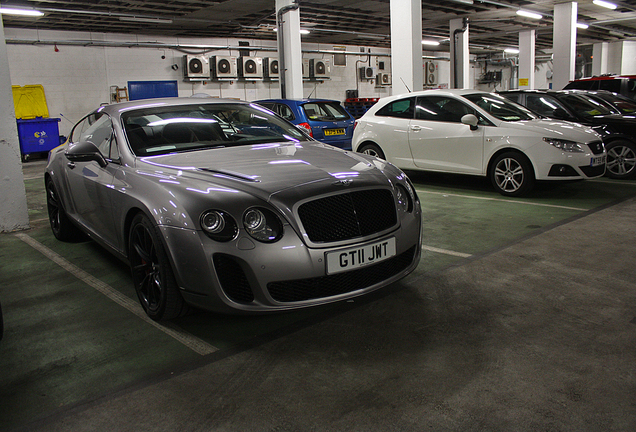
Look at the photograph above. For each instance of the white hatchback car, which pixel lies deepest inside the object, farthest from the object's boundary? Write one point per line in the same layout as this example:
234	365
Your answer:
479	133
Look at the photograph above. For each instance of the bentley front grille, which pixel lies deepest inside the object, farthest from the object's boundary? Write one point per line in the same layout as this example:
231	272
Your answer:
348	215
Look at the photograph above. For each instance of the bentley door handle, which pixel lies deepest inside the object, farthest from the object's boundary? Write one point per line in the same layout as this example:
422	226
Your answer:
71	165
415	128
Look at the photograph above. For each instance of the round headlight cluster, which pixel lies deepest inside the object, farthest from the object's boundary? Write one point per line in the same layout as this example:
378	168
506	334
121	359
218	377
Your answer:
262	224
404	198
219	225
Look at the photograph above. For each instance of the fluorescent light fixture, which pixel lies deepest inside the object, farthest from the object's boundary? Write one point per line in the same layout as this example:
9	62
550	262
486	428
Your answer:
582	26
512	50
24	12
528	14
302	31
146	20
604	4
430	42
464	1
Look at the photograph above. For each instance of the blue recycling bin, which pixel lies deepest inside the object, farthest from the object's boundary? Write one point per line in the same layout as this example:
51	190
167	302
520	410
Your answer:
38	135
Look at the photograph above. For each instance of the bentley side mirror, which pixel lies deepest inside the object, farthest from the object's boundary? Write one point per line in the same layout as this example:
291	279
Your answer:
470	120
85	151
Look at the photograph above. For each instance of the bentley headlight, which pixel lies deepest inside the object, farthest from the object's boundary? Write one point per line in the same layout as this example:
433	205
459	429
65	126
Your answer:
404	198
262	225
218	225
565	145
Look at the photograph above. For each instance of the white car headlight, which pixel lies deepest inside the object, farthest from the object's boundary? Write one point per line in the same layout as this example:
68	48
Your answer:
565	145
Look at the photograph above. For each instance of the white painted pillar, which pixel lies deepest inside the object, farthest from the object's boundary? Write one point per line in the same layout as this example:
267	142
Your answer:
564	43
13	206
460	60
290	56
526	59
406	46
600	55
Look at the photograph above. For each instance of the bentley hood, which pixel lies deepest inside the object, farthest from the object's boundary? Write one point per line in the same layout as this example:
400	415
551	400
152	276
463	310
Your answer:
266	169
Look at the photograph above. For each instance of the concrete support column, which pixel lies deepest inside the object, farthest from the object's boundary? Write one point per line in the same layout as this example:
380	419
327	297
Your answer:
460	60
406	46
600	56
13	206
526	59
290	56
564	43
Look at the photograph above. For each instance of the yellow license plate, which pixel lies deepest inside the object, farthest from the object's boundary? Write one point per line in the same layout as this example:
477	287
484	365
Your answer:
329	132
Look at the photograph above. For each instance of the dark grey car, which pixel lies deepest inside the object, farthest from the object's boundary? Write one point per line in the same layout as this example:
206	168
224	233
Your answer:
221	205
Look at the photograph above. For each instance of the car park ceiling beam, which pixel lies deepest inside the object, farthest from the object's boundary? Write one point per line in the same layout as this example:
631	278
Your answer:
406	45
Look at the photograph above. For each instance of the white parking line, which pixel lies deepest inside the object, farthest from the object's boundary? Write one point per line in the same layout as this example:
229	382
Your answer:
501	200
446	251
195	344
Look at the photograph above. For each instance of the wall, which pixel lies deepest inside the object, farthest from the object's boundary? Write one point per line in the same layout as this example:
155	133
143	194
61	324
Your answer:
77	79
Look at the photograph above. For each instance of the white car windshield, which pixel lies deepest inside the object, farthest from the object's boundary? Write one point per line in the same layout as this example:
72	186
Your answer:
178	128
501	108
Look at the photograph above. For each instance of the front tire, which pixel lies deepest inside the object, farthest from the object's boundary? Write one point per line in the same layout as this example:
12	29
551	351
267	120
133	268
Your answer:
372	150
152	274
621	160
511	174
62	227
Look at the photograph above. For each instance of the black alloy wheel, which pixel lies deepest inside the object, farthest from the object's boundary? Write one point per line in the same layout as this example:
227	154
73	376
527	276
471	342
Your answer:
152	274
62	227
511	174
372	150
621	159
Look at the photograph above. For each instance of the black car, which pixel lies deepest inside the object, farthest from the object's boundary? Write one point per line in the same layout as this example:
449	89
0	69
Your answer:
624	105
618	131
622	84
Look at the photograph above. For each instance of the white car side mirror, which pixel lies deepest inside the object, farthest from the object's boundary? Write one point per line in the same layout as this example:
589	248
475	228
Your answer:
470	120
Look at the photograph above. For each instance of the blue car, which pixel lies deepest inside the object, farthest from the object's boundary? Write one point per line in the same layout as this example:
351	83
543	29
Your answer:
323	119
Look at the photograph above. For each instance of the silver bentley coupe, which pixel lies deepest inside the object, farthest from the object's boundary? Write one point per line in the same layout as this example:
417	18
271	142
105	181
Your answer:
222	205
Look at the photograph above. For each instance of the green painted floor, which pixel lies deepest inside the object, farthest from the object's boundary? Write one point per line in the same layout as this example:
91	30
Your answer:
66	344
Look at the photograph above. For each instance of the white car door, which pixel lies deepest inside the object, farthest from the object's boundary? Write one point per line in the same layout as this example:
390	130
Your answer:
438	139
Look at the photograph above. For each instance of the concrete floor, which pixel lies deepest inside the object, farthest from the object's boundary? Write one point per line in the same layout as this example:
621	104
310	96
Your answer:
521	316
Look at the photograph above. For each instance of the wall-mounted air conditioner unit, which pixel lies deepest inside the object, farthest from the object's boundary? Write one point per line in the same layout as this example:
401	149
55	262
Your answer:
196	67
319	68
367	73
430	73
270	68
384	79
250	67
223	67
306	74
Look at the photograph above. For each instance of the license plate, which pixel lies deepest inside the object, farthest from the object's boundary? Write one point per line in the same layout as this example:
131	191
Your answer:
330	132
359	256
596	161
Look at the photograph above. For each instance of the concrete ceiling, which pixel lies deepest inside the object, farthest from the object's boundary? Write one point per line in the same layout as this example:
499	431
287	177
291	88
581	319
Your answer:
494	24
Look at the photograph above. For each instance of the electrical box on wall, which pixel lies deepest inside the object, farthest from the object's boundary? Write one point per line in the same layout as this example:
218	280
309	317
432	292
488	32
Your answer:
224	67
196	67
250	68
319	69
270	68
430	73
367	73
383	79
